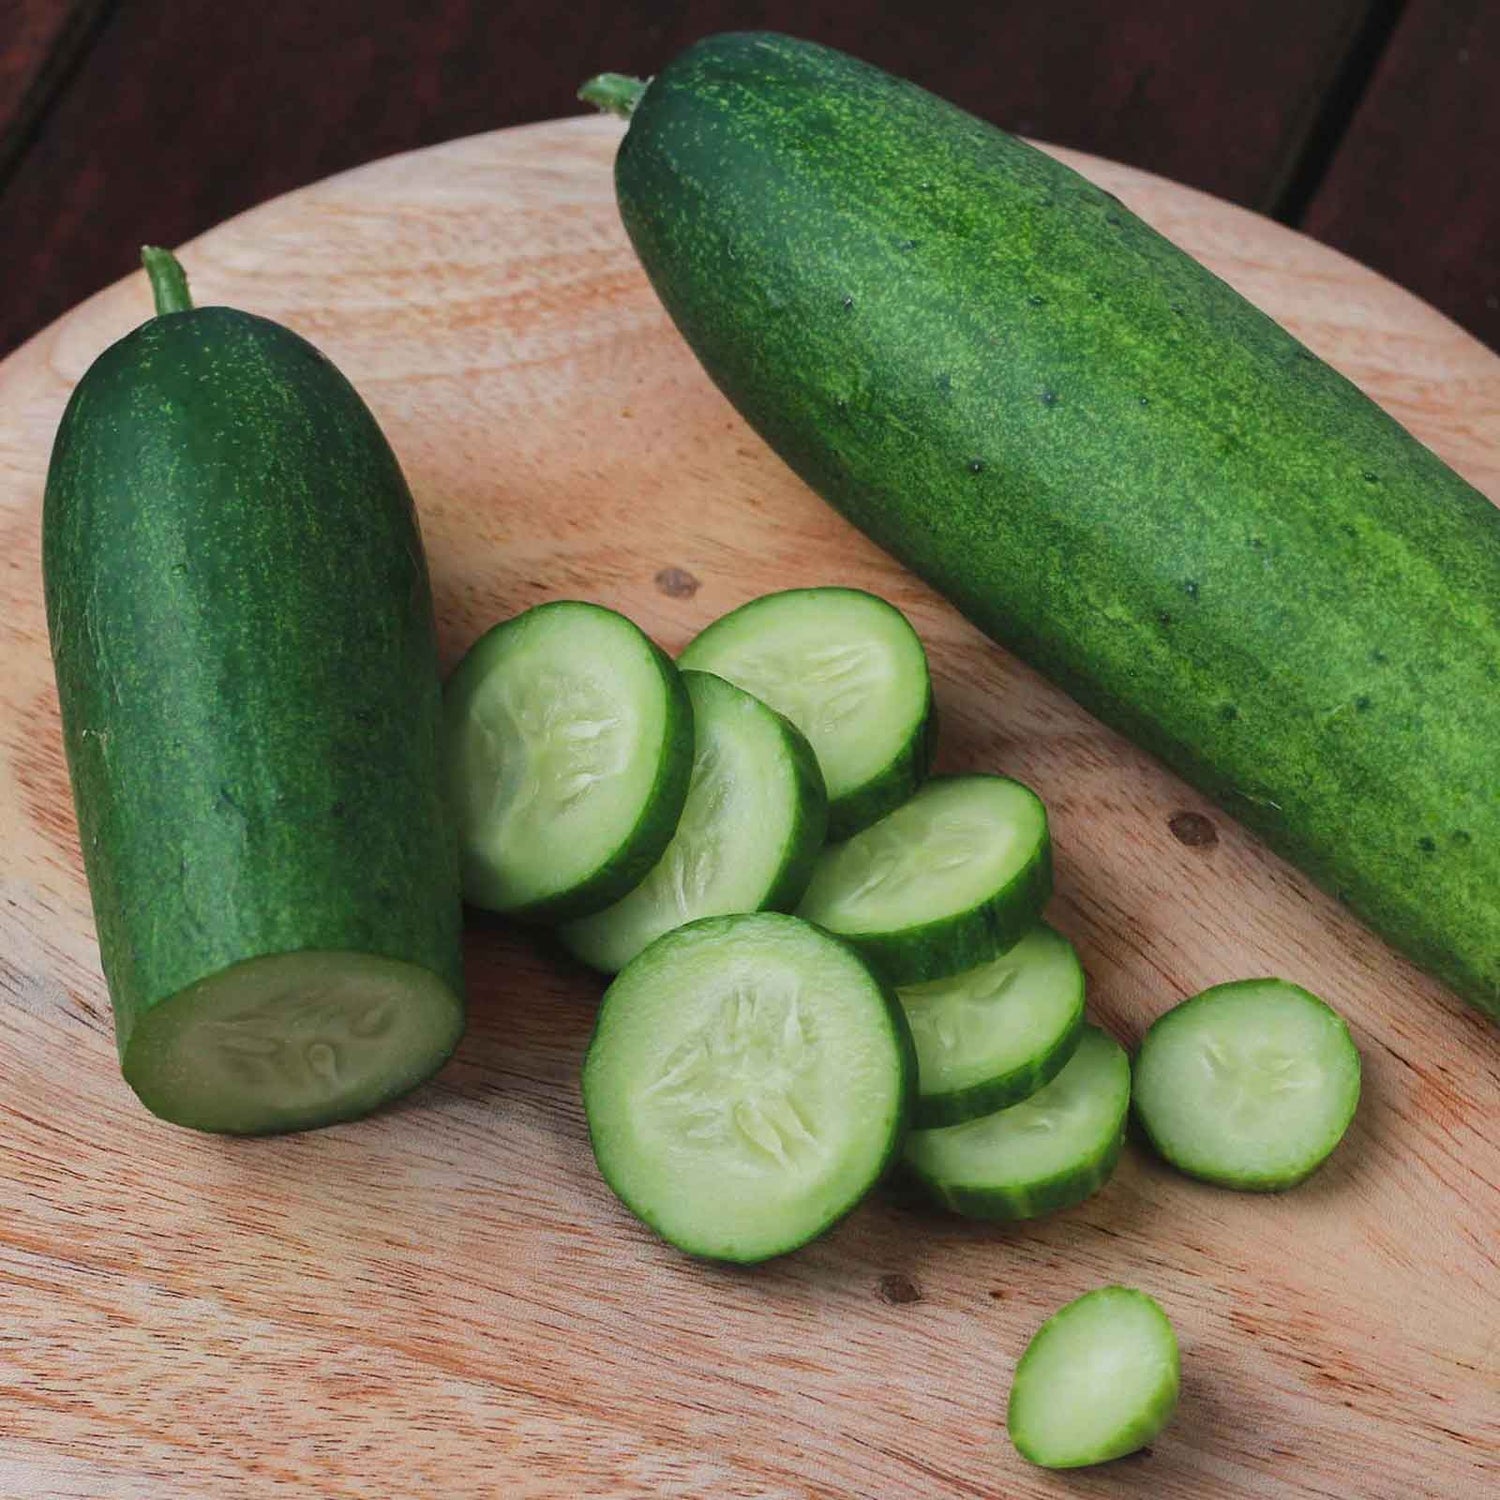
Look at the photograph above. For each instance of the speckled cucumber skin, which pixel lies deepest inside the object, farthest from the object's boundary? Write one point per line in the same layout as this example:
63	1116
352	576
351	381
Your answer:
1106	458
242	630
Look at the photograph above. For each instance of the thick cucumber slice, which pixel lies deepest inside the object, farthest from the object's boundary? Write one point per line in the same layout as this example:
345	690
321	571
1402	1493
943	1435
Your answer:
291	1041
570	747
1250	1084
753	823
849	671
950	879
1098	1380
747	1083
992	1036
1048	1152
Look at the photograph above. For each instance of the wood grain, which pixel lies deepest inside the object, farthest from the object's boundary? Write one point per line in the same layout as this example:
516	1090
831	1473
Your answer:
445	1300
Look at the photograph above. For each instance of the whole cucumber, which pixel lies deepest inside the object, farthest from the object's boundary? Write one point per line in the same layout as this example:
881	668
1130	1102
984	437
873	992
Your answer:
1105	457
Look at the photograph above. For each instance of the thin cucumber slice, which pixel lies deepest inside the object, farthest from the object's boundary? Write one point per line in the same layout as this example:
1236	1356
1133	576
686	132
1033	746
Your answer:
1098	1380
992	1036
1048	1152
291	1041
747	1083
952	878
753	823
850	672
570	747
1249	1085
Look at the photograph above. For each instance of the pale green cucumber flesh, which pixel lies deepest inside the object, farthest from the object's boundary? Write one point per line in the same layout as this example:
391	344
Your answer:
993	1035
569	744
748	1081
753	822
1249	1085
951	878
849	671
1098	1380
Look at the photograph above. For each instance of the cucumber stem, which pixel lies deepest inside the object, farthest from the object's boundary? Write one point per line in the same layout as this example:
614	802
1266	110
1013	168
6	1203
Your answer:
168	280
615	93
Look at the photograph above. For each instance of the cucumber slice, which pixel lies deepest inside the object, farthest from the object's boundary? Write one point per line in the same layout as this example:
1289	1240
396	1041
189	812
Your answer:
570	747
753	823
992	1036
1098	1380
1250	1084
850	672
291	1041
1048	1152
747	1083
954	876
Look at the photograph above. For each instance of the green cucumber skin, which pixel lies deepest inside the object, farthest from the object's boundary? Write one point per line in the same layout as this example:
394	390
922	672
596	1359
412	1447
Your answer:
806	840
896	782
1105	457
242	630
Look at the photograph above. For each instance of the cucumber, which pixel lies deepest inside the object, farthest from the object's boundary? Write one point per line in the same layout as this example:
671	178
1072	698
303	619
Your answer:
1098	1380
1051	1151
747	1082
992	1036
1106	458
569	753
850	672
1250	1084
949	880
242	633
752	825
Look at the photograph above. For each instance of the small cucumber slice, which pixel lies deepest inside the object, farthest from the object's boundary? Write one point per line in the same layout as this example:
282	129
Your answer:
1048	1152
1249	1085
747	1083
952	878
570	747
753	823
992	1036
1098	1380
850	672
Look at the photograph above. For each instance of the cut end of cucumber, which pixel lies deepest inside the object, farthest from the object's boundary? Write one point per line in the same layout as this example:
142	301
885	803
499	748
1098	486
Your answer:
291	1041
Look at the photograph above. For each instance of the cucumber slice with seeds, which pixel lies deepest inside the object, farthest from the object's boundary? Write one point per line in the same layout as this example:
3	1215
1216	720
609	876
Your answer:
850	672
947	881
1098	1380
1249	1085
753	823
992	1036
570	747
1050	1151
747	1082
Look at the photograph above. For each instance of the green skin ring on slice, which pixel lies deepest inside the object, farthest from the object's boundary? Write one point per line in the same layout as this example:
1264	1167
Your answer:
1249	1085
570	750
1049	1152
850	672
994	1035
1098	1380
752	826
747	1083
949	880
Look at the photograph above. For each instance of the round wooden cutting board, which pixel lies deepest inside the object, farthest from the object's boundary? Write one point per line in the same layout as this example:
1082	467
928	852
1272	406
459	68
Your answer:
445	1301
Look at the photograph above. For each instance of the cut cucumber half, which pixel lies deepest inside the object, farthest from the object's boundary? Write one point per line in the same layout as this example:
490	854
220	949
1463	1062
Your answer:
1048	1152
570	747
1098	1380
747	1083
992	1036
952	878
850	672
753	823
1249	1085
291	1041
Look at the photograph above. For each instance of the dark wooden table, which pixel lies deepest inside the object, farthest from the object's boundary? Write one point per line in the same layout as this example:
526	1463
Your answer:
1371	124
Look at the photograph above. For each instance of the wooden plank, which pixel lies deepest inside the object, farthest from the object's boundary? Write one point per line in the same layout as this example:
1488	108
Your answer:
1414	189
445	1300
188	111
39	40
